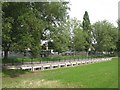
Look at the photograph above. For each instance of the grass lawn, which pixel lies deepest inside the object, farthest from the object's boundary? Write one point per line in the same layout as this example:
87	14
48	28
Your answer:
99	75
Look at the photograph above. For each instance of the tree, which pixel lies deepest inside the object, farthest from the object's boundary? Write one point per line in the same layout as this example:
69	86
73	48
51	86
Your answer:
17	34
11	11
30	36
86	22
87	28
61	37
79	36
105	35
25	23
6	35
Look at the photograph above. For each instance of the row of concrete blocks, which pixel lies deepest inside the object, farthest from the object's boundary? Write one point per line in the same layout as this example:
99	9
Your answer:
60	65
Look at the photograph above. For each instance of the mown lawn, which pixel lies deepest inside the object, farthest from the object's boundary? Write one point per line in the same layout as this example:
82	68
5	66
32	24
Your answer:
99	75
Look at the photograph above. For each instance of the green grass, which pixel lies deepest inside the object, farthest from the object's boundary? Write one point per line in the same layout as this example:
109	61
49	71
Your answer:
99	75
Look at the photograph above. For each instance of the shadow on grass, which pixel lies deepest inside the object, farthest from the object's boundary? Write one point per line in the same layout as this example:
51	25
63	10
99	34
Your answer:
13	73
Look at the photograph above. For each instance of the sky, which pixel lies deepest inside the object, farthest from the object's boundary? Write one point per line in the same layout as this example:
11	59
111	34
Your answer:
98	10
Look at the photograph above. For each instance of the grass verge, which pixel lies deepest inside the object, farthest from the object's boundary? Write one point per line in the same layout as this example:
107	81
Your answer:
99	75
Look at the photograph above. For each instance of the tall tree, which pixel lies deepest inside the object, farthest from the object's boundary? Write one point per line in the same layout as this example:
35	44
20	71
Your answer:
86	23
87	28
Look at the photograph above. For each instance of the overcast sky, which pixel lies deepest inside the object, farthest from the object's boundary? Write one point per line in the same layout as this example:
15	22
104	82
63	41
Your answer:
97	10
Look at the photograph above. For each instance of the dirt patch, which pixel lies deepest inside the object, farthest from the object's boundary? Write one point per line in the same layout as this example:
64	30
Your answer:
40	84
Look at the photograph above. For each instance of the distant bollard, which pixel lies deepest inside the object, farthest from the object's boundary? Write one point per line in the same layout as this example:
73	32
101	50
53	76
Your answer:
42	68
58	65
51	67
32	69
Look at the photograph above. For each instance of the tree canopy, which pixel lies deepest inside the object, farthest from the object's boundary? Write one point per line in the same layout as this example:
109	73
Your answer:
25	23
79	36
105	35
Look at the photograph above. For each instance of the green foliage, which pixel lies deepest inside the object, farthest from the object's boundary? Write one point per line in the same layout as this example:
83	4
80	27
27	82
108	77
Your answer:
86	25
6	34
29	33
25	23
86	22
61	37
7	27
79	37
106	36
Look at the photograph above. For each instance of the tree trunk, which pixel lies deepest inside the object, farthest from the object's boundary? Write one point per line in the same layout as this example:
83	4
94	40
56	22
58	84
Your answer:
6	49
5	54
